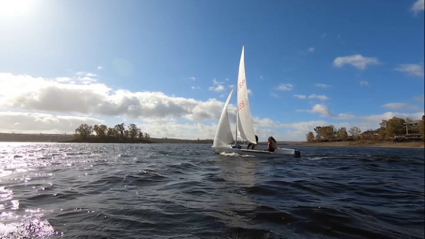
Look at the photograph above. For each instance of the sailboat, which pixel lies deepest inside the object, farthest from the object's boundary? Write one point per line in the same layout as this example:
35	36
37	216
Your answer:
223	139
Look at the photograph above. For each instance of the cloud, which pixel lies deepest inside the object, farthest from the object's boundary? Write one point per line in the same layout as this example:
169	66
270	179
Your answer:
357	61
42	123
320	97
274	95
324	111
261	77
195	88
300	96
365	121
322	86
75	95
397	106
389	115
420	98
417	6
311	49
323	35
285	87
364	83
88	74
99	67
217	86
411	69
312	96
215	82
192	78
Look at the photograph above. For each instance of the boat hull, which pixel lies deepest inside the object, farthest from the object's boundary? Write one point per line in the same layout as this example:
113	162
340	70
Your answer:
279	152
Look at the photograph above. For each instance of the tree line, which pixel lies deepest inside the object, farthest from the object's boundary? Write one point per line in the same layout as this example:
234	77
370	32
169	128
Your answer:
103	133
392	129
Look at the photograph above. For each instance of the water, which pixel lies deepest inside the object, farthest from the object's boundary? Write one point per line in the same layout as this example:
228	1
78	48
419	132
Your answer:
184	191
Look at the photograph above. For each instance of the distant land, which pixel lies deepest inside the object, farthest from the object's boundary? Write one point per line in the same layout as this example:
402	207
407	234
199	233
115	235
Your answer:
68	138
362	143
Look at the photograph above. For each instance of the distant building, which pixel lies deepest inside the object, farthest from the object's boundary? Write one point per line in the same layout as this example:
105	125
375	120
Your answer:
412	127
414	123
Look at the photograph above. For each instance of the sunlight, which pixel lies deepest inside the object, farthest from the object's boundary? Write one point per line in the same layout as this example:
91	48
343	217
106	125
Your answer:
15	7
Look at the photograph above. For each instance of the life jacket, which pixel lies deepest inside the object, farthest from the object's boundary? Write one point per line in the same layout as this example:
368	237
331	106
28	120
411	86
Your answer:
272	145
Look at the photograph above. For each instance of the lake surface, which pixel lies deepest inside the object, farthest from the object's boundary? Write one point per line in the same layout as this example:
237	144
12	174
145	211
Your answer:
185	191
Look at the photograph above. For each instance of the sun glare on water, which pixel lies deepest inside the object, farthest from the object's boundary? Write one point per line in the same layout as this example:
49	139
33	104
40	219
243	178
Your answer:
10	8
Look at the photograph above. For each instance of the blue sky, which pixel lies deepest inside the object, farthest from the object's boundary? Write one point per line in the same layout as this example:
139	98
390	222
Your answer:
169	65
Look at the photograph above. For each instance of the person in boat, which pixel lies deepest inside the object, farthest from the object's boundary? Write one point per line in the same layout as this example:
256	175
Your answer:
253	145
272	144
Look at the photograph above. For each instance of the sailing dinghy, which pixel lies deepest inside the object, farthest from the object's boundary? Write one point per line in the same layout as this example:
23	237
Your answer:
223	139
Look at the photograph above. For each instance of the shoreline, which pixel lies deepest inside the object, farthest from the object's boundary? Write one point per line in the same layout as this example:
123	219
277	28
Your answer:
64	138
379	144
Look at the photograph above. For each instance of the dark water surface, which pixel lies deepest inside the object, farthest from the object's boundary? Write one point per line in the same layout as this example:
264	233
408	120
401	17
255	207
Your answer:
185	191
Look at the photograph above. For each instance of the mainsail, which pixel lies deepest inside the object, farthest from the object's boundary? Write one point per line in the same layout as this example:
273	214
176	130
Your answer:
245	125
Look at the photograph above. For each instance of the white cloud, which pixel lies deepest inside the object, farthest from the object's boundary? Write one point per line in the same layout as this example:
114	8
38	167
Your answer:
300	96
364	83
420	98
285	87
192	78
320	97
274	95
217	86
312	96
417	6
215	82
42	123
357	61
411	69
311	49
322	85
30	93
195	88
324	111
397	106
88	74
99	67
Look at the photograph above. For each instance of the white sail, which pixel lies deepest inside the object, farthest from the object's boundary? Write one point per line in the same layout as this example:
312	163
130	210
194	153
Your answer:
245	125
223	135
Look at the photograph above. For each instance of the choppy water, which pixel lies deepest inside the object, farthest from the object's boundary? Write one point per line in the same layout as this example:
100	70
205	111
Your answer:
184	191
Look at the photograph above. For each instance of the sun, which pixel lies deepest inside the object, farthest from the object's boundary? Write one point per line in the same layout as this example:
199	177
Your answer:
15	7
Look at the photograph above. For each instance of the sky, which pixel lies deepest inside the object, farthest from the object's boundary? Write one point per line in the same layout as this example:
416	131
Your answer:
169	65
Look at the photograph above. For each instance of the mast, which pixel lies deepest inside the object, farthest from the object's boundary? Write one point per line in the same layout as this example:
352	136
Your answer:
237	113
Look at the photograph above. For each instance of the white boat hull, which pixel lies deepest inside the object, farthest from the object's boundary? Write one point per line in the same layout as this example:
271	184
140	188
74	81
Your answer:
259	152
